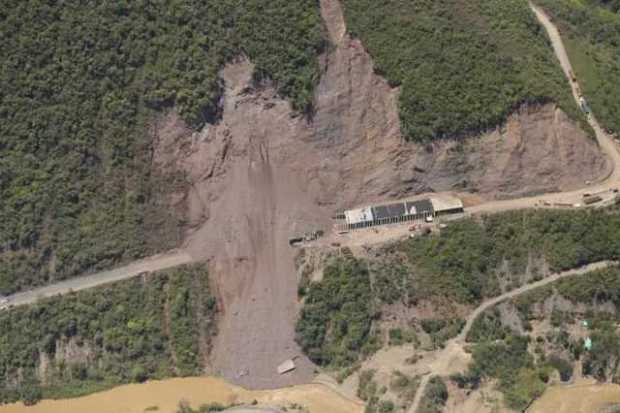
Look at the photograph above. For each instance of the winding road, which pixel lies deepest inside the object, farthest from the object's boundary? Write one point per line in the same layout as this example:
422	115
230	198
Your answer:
454	347
179	257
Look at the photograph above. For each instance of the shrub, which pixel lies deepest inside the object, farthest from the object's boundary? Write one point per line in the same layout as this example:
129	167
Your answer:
563	366
122	327
80	88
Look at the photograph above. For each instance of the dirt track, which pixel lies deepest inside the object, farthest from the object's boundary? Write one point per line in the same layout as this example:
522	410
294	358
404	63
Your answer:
444	362
248	196
454	347
605	141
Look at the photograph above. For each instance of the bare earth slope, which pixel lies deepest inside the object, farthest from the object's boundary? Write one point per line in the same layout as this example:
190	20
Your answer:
263	174
538	150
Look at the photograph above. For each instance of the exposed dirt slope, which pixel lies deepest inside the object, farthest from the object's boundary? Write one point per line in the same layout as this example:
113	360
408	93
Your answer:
263	174
538	150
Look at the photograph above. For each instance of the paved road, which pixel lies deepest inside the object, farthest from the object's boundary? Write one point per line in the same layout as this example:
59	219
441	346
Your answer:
606	142
175	258
608	146
454	347
158	262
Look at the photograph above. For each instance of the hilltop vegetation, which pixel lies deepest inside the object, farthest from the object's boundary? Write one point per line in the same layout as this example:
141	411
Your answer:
130	331
79	88
463	66
591	30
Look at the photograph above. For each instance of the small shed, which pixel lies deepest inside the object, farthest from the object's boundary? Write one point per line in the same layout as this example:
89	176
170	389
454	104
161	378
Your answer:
288	365
359	216
447	205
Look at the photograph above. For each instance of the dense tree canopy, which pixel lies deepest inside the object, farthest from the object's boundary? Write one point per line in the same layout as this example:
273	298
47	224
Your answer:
80	83
126	332
463	66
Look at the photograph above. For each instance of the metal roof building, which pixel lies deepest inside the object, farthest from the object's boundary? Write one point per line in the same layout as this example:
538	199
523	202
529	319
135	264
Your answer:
359	216
421	207
446	205
400	211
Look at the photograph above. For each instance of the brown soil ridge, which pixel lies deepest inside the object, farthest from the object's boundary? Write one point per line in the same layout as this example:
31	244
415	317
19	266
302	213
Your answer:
265	173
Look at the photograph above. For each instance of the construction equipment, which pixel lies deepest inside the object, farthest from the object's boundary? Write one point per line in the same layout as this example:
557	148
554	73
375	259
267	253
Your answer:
306	237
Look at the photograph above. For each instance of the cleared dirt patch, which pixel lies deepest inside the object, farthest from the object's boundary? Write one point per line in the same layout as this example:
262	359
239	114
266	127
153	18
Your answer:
585	397
264	174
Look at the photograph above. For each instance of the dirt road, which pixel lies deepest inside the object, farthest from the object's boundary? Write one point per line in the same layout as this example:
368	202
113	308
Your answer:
516	292
155	263
605	141
254	270
454	348
608	145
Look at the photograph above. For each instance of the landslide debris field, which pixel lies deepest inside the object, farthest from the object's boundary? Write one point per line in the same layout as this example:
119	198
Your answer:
248	134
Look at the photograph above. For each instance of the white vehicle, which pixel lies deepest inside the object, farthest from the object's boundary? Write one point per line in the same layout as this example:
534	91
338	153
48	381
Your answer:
429	219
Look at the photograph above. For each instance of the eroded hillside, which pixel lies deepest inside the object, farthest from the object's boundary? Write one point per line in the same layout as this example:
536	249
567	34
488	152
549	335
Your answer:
263	174
263	164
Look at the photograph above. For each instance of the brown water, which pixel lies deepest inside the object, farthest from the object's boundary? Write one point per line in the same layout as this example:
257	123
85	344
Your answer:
580	398
165	395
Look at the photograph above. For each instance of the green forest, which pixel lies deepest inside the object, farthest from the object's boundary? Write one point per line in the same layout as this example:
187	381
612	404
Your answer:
80	85
131	331
335	325
591	31
468	261
463	66
470	257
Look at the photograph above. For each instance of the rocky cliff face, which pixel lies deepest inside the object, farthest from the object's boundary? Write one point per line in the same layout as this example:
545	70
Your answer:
264	173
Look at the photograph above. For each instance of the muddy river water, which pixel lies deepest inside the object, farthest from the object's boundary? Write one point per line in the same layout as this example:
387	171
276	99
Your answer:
164	397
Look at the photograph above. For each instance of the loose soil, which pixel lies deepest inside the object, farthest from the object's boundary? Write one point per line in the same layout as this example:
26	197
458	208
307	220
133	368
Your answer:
264	173
585	397
166	395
